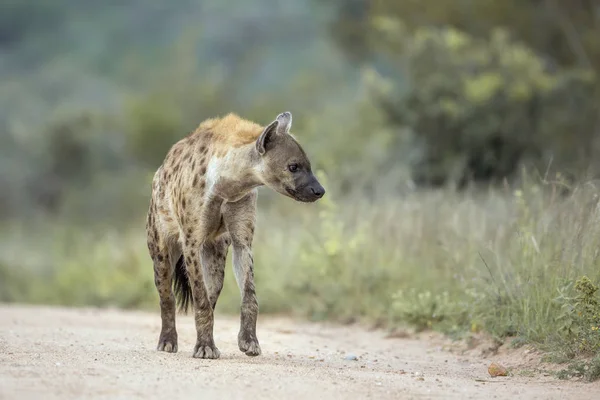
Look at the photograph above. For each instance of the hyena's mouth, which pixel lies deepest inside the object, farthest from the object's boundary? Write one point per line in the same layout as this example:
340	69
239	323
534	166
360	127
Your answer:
293	194
296	196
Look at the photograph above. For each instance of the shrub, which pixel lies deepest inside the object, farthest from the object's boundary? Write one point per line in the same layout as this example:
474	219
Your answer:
580	316
479	107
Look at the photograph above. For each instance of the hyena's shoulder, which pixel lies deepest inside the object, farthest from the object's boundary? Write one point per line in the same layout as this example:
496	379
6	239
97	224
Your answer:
186	163
212	137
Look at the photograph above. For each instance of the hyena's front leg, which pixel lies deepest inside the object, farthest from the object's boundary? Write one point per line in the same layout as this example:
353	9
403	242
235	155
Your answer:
240	219
244	272
213	255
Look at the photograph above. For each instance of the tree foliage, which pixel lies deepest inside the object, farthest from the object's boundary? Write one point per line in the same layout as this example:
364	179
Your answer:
481	106
484	85
566	31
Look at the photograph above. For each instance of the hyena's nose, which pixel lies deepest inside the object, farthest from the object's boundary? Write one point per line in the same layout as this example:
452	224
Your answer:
317	192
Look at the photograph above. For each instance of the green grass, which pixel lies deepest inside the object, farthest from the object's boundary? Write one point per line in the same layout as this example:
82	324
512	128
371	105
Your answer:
514	263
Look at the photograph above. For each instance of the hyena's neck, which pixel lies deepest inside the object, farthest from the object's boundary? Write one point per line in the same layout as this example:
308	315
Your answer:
234	175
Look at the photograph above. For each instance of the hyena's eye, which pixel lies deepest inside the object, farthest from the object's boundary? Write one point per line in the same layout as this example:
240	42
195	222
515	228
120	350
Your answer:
293	167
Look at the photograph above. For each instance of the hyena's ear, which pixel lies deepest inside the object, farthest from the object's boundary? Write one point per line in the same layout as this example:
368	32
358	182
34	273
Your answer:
280	126
285	122
265	137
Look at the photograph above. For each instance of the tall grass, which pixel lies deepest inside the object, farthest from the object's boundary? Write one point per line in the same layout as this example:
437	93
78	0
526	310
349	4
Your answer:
503	261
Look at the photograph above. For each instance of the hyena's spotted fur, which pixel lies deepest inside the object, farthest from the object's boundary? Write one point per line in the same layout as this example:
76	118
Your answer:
203	201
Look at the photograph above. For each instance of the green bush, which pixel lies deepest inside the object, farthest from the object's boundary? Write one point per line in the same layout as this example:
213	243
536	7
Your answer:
479	108
580	317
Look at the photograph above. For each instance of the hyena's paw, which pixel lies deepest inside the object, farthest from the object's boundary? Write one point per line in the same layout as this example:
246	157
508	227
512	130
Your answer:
167	342
202	350
248	344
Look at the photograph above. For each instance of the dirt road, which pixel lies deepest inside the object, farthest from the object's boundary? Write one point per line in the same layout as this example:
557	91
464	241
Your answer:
56	353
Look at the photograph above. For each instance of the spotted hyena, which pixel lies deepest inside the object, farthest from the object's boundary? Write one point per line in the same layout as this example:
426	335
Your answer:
204	200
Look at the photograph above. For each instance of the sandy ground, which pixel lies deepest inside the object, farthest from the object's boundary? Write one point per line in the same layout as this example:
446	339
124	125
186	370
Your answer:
57	353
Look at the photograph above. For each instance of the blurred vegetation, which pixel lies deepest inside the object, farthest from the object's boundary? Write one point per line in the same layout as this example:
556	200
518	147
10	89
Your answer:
567	32
483	85
457	140
480	108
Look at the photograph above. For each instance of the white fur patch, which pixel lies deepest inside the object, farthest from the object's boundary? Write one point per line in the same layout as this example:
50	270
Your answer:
223	168
213	171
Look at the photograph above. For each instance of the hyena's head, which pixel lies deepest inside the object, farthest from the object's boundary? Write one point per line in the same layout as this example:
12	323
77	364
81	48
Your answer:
284	166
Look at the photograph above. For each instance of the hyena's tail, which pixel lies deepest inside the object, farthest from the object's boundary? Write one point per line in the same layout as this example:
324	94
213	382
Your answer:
181	285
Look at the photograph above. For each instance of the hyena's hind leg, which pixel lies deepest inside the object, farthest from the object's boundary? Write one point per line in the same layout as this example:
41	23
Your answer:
199	280
164	254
